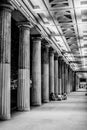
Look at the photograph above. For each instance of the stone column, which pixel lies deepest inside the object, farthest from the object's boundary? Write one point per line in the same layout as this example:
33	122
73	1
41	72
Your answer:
56	73
70	80
74	89
36	71
66	76
86	83
73	81
23	96
45	74
62	77
51	71
78	82
65	80
5	60
68	83
59	76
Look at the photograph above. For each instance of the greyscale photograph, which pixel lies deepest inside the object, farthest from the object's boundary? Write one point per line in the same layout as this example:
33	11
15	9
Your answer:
43	64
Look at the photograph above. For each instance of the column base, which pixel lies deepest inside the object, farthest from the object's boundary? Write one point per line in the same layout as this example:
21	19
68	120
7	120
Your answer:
5	117
45	101
23	109
36	104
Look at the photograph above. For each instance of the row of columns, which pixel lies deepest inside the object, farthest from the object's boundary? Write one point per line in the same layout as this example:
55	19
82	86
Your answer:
56	75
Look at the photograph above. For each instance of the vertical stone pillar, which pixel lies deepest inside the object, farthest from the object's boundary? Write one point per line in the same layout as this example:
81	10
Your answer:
63	77
59	76
69	80
5	61
36	71
73	81
23	96
56	73
86	83
51	71
45	74
68	86
66	76
78	82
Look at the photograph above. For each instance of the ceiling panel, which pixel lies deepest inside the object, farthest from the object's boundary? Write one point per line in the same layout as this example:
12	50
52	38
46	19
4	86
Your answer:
65	24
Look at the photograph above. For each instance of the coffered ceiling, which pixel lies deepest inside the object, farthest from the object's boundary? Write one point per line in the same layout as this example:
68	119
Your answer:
63	23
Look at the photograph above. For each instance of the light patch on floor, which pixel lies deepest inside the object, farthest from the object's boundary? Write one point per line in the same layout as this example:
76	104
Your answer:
70	114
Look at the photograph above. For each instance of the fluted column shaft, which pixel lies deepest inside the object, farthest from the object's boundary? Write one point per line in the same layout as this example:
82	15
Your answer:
63	77
45	74
66	77
5	61
36	71
65	83
51	71
68	82
74	81
69	78
59	76
5	54
77	82
56	73
23	96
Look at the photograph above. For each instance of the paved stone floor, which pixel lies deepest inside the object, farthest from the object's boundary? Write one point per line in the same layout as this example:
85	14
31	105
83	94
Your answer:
59	115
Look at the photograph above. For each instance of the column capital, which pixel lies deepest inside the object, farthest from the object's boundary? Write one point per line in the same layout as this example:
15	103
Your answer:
60	58
45	42
62	61
36	37
51	50
55	56
45	45
67	65
25	24
45	48
6	5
